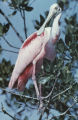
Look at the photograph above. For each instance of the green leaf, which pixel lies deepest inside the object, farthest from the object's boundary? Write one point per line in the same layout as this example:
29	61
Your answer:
44	80
27	8
1	29
6	28
37	22
0	49
42	19
37	27
14	13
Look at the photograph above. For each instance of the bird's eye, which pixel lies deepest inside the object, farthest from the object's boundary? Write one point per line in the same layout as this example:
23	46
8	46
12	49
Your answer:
59	9
56	8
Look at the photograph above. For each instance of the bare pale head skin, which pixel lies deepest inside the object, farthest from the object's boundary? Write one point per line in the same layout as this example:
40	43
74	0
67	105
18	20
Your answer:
55	8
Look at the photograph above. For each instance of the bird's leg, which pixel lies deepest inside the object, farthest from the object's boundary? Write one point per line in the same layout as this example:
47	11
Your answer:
34	80
41	102
40	89
39	56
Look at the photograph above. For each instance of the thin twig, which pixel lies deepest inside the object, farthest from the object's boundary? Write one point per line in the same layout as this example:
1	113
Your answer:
9	43
67	109
52	88
20	38
17	94
50	91
25	29
29	97
24	19
21	13
62	92
64	113
75	66
5	112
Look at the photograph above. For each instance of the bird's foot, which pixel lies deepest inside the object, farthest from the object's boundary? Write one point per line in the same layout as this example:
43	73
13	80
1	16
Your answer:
41	105
37	92
40	102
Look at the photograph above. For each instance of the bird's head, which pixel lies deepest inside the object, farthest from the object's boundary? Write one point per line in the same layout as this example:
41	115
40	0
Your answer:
54	10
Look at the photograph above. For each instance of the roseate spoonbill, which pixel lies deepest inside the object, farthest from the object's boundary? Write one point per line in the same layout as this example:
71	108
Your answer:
33	50
50	53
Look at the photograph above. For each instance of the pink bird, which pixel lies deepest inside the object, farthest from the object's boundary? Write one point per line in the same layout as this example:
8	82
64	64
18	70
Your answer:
37	46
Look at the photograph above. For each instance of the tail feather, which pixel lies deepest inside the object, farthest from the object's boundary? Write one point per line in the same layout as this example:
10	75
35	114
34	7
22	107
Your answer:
19	81
13	81
23	78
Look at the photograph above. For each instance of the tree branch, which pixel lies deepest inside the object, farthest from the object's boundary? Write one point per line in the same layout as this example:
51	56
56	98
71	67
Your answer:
64	113
50	91
17	94
5	112
9	43
23	17
20	38
25	29
29	97
52	87
63	91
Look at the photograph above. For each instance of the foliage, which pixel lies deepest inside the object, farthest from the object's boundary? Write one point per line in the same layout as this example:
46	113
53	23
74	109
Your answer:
5	72
71	38
42	19
20	5
3	29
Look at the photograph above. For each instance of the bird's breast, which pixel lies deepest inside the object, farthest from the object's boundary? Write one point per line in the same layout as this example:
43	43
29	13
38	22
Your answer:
50	51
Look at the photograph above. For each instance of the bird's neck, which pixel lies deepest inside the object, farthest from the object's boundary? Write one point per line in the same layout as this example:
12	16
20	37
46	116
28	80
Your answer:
55	29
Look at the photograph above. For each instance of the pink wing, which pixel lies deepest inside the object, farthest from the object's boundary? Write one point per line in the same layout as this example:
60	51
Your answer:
23	78
26	74
29	50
